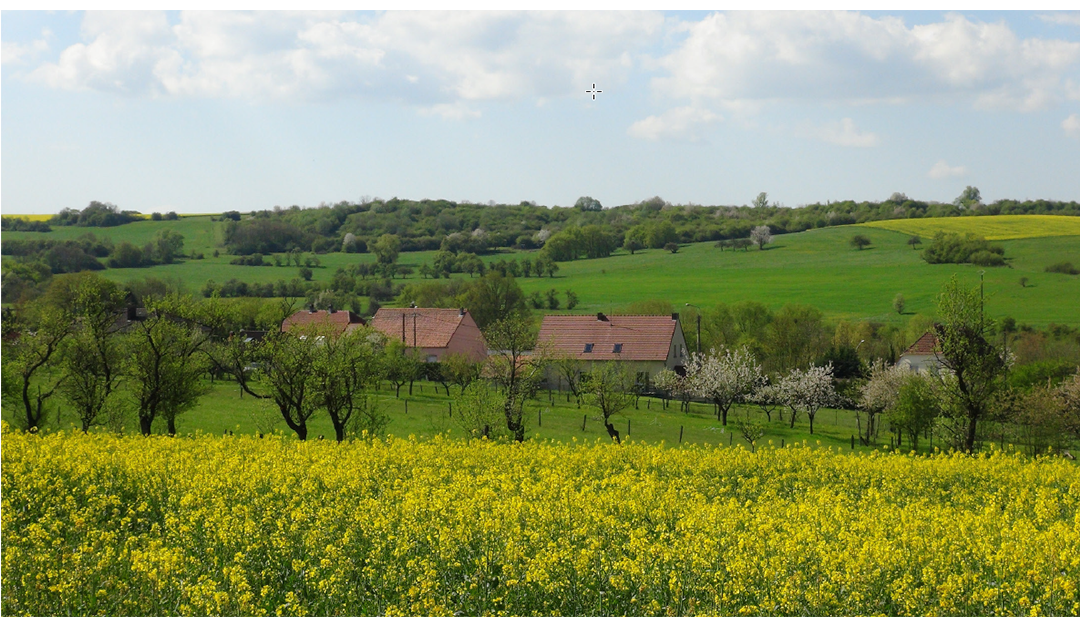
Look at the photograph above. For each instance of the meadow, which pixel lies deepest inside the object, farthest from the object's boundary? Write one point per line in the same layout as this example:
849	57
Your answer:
238	526
816	267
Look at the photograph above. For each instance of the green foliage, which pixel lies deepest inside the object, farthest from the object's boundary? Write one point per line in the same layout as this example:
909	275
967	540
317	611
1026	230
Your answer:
1064	267
492	298
916	408
859	241
951	247
387	248
96	214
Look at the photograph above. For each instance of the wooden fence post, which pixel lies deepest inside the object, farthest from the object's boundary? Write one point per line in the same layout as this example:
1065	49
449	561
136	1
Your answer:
584	420
680	434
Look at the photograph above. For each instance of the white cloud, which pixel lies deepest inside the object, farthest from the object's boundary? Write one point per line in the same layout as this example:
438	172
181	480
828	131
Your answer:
941	169
842	133
680	124
14	53
853	57
1071	126
1071	18
455	111
422	58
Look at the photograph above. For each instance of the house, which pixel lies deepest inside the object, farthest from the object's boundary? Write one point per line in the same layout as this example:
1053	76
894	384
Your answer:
648	344
435	332
922	356
341	320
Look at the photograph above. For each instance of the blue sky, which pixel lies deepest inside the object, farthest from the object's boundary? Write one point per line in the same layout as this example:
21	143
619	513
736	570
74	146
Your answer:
204	112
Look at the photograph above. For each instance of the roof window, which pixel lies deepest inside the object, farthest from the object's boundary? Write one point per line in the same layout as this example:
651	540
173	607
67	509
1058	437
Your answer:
617	349
588	348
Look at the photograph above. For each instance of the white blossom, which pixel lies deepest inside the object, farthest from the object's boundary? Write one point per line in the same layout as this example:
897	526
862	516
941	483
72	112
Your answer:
723	377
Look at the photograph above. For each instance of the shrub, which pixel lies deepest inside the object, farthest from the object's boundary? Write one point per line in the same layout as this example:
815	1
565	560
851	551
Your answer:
951	247
672	247
1063	267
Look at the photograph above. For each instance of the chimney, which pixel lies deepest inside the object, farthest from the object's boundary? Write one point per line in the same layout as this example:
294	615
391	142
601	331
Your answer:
131	313
674	316
600	317
311	307
461	312
331	309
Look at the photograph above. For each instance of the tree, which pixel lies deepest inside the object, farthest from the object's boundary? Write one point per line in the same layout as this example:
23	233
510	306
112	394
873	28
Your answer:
569	369
478	409
571	299
761	201
587	203
387	248
551	298
166	364
761	236
674	385
671	247
167	244
723	377
970	195
976	367
914	240
898	303
633	242
492	298
898	197
346	364
751	430
286	365
515	367
306	273
30	347
860	241
915	408
402	365
810	390
878	395
610	388
92	360
459	370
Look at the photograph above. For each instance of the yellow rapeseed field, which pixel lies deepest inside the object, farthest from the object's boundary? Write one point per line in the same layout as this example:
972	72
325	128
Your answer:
112	525
993	228
32	217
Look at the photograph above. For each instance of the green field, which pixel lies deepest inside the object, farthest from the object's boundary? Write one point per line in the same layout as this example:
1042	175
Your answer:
816	267
551	416
991	227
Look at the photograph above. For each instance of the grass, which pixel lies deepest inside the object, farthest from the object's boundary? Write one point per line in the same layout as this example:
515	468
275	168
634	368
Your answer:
549	417
992	227
816	267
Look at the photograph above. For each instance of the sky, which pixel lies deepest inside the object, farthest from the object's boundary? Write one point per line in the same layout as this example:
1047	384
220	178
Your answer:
210	111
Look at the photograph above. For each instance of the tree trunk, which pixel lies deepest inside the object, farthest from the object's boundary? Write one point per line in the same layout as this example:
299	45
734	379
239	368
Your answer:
339	430
811	417
722	413
145	421
969	439
613	433
171	423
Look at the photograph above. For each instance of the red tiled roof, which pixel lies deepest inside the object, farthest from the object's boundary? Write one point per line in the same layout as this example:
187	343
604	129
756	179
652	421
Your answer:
341	319
643	337
434	327
925	346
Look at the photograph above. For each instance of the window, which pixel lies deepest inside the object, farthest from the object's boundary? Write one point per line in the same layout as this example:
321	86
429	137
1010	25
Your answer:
432	358
617	349
588	348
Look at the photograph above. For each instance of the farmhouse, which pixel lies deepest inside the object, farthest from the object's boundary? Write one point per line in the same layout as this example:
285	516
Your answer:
922	356
340	320
436	332
646	343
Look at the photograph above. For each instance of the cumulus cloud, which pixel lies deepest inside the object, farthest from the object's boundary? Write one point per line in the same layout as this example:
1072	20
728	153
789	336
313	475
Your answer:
14	53
941	169
421	58
1071	126
854	57
1071	18
685	123
842	133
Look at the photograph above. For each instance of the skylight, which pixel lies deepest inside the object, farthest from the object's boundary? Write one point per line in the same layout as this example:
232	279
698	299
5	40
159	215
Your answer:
588	348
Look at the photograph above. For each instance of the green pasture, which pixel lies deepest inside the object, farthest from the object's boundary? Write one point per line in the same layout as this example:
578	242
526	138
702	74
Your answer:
551	416
816	267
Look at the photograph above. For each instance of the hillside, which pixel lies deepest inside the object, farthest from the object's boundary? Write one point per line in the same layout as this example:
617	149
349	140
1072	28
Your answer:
993	228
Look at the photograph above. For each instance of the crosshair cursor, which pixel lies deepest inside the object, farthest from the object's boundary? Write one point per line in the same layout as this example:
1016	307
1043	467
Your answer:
594	91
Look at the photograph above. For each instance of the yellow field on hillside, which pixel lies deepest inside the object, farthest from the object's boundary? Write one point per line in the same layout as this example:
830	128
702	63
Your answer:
39	217
993	227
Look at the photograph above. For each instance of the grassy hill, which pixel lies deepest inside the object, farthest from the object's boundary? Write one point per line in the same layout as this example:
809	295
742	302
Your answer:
815	267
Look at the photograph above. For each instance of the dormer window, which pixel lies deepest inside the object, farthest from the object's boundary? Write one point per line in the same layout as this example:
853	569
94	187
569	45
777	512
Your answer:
617	349
588	348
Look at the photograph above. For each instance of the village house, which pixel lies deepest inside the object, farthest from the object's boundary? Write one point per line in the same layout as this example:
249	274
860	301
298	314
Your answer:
340	320
435	332
922	356
647	344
